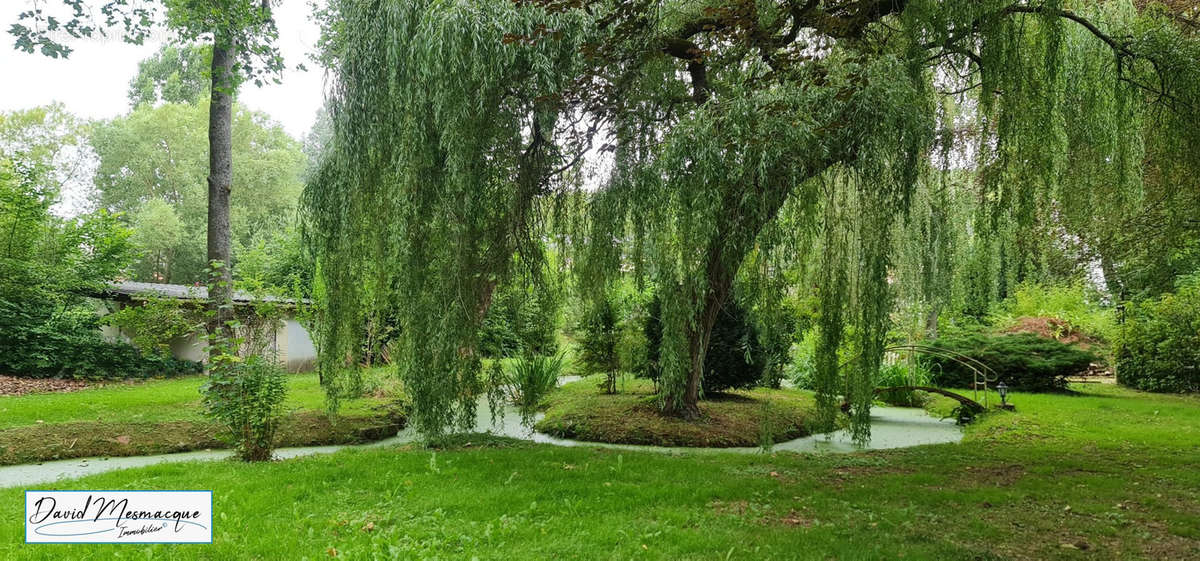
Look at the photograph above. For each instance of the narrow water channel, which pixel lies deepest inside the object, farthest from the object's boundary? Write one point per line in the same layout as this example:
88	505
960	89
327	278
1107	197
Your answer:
891	427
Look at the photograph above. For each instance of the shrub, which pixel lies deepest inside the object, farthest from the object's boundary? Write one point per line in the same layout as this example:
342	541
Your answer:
735	358
47	328
152	324
1159	347
1076	310
903	374
37	341
631	306
530	379
599	336
776	328
246	397
802	367
1023	361
521	319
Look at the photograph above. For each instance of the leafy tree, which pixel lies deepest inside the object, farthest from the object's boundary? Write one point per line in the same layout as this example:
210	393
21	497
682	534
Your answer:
275	260
733	111
175	74
598	338
53	139
733	126
317	140
242	35
523	319
47	264
736	359
446	118
158	231
154	157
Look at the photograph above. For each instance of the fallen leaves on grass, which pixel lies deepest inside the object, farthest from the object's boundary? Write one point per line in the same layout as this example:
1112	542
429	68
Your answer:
13	386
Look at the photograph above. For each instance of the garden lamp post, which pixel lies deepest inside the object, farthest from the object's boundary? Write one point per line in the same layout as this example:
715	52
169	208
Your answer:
1002	389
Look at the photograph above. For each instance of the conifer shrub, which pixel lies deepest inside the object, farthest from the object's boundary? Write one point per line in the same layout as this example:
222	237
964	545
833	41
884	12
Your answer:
735	358
1023	361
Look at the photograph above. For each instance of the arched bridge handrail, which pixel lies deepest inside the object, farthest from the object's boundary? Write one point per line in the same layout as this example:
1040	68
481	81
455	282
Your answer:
966	401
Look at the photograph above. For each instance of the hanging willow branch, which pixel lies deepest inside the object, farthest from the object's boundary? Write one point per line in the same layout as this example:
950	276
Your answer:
449	120
445	118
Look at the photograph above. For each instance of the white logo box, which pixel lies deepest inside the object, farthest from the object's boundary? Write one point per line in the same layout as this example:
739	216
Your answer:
118	516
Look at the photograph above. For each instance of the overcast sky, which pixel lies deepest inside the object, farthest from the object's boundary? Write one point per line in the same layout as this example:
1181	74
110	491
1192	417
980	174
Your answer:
94	81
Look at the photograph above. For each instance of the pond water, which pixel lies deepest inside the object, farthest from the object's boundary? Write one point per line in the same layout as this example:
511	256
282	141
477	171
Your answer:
891	427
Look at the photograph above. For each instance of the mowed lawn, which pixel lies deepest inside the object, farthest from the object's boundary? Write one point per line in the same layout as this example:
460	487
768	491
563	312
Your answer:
161	416
176	399
1105	474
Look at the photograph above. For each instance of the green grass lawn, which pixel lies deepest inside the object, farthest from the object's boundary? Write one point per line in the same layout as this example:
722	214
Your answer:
581	411
1106	474
125	419
176	399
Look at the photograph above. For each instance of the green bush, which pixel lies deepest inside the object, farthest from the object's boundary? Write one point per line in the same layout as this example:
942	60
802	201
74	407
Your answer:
529	380
37	341
802	366
47	328
152	324
1159	347
1023	361
599	335
735	358
903	374
521	319
246	397
1074	305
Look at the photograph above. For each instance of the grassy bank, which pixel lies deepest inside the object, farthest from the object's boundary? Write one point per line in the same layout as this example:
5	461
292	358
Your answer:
581	411
1108	474
155	417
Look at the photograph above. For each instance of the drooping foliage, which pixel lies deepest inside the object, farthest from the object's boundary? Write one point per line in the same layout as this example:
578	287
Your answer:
444	117
736	358
898	105
523	317
835	147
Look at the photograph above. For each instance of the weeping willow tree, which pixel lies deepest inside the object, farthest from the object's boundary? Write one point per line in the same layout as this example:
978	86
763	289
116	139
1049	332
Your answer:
446	119
729	111
725	116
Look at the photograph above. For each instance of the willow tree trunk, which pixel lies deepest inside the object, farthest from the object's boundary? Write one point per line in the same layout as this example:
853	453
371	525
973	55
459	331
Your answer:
724	257
720	284
220	184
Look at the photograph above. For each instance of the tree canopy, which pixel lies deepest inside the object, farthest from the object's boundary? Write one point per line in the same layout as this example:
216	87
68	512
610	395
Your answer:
159	154
845	134
175	74
439	193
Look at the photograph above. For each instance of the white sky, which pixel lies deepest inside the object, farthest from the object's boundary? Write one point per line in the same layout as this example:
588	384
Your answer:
93	82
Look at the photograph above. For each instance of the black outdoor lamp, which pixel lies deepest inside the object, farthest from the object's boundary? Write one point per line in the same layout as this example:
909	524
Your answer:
1003	391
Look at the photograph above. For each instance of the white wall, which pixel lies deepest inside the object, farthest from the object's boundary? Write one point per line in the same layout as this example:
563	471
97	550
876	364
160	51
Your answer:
293	346
296	347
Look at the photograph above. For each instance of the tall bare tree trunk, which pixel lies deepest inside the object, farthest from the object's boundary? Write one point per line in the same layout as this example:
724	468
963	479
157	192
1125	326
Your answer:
220	184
